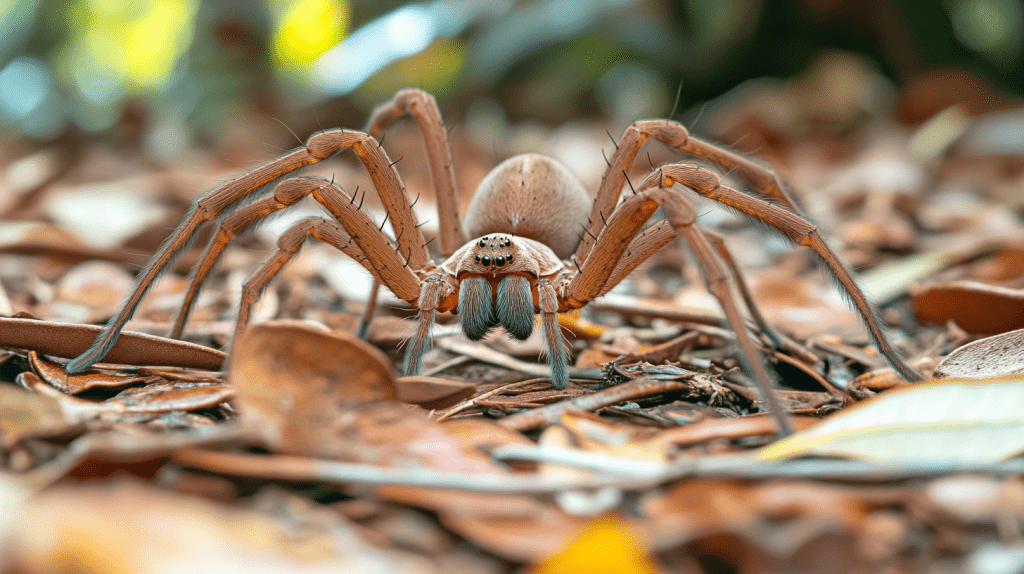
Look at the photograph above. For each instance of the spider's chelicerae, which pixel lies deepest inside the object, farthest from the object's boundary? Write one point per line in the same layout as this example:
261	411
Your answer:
527	255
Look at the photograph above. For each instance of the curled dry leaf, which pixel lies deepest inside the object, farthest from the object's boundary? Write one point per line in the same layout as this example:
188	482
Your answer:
170	396
300	378
887	377
975	307
432	392
996	356
70	340
57	377
958	421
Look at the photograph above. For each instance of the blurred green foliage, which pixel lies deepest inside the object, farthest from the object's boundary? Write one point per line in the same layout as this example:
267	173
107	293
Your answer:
192	64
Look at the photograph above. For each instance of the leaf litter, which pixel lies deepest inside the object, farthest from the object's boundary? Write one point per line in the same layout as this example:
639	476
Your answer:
307	453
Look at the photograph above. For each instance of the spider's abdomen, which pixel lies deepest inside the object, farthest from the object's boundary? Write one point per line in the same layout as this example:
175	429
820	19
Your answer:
531	196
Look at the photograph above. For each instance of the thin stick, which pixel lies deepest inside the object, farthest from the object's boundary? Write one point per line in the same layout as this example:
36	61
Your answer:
473	401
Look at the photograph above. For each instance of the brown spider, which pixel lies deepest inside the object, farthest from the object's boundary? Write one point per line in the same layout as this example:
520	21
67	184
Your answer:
527	256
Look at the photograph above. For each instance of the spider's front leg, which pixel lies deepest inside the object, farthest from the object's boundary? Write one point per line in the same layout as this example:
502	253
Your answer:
222	200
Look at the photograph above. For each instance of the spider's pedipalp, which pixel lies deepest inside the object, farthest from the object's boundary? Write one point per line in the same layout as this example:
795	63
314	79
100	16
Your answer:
558	355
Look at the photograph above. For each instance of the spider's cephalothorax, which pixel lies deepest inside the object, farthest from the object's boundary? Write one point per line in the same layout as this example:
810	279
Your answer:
541	245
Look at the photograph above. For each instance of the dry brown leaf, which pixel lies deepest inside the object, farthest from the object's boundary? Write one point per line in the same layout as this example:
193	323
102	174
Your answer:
25	415
482	434
519	528
70	340
432	392
985	358
170	396
727	428
301	378
56	376
777	518
393	434
975	307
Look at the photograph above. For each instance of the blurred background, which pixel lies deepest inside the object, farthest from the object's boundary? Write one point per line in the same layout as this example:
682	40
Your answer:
898	123
168	74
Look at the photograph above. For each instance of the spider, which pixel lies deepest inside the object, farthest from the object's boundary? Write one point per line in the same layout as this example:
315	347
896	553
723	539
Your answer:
526	256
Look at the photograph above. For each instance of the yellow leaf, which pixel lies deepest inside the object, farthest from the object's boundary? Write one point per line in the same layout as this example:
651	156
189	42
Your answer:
606	545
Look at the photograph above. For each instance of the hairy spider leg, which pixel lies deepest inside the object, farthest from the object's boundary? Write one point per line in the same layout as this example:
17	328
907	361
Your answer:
213	205
422	106
625	221
784	218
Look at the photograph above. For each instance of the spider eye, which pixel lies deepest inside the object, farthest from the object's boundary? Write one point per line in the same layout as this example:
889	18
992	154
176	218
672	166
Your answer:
478	259
508	258
486	261
500	261
482	243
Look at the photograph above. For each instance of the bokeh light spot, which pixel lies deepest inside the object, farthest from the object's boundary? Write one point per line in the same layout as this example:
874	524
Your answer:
307	29
24	84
